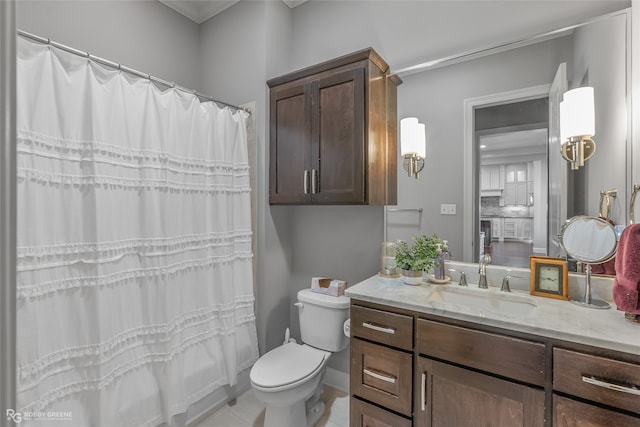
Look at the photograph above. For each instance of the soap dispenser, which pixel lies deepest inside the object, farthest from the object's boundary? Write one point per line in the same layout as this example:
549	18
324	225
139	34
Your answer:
445	251
438	271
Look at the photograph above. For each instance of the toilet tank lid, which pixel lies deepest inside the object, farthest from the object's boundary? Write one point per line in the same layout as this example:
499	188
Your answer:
308	296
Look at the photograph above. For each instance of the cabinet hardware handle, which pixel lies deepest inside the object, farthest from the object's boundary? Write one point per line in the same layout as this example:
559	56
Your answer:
305	181
379	328
423	391
314	182
631	389
391	380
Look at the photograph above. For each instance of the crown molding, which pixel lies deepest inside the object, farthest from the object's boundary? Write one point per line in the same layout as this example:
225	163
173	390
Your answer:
201	10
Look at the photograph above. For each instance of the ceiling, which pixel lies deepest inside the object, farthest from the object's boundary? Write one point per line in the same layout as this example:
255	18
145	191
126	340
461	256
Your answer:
519	143
201	10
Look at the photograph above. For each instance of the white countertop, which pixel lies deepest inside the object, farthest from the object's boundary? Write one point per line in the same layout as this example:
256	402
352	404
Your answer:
551	318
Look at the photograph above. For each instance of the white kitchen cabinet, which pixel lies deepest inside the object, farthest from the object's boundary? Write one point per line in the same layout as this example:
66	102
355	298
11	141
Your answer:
526	229
515	187
491	180
518	228
511	228
497	225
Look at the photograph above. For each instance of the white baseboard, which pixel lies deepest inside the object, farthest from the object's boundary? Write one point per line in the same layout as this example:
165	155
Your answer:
337	379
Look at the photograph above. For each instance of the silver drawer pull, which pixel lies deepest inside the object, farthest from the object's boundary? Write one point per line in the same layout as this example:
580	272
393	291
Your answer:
391	380
423	391
631	389
305	181
379	328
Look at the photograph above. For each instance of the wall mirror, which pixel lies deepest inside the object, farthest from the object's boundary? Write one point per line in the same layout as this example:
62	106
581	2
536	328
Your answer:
523	189
517	76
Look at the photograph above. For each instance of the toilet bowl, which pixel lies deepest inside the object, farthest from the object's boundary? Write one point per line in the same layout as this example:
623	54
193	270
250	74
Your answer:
288	379
285	380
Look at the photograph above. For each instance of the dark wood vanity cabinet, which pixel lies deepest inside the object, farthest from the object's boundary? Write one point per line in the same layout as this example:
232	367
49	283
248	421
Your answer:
333	133
455	383
381	368
466	374
583	382
448	395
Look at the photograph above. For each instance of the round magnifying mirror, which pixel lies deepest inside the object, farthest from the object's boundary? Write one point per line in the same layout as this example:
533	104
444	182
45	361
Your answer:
590	240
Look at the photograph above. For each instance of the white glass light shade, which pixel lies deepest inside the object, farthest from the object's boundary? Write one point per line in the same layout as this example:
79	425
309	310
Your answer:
412	137
577	113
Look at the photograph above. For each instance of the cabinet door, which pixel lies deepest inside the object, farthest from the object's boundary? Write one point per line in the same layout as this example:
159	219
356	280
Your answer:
290	127
521	193
485	178
510	228
496	228
338	138
570	413
515	189
447	395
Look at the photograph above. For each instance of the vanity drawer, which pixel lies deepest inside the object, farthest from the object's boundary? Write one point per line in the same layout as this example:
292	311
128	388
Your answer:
571	413
381	375
509	357
383	327
599	379
364	414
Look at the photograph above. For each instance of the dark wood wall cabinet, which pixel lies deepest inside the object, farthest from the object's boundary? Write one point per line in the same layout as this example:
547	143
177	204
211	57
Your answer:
423	370
333	133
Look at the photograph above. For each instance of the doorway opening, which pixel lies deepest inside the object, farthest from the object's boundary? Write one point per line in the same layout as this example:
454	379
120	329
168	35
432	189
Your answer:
511	141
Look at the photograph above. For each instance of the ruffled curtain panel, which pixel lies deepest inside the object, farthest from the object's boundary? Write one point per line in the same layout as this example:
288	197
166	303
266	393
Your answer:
135	285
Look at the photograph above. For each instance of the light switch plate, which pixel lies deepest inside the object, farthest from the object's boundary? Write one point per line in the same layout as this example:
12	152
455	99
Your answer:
448	209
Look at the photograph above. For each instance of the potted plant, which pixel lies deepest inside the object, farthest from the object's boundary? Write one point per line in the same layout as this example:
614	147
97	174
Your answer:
420	256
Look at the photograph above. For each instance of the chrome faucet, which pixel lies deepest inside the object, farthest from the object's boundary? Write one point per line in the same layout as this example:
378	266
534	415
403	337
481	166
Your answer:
463	279
482	270
505	284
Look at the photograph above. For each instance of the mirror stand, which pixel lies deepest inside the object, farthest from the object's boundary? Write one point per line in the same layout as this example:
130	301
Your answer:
588	301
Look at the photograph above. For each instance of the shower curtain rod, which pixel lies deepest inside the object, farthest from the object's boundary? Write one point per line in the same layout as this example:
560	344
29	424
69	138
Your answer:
118	66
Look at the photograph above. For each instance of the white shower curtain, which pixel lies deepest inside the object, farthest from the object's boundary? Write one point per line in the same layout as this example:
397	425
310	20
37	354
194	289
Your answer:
135	286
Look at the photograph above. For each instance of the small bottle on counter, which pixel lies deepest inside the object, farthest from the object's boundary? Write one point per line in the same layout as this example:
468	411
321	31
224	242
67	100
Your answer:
438	271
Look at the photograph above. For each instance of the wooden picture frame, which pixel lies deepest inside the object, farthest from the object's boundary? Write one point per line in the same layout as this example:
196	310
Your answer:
549	277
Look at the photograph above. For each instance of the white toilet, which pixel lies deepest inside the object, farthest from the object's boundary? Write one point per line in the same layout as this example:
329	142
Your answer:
288	379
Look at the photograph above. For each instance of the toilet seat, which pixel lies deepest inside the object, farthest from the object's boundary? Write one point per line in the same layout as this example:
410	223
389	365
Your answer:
286	366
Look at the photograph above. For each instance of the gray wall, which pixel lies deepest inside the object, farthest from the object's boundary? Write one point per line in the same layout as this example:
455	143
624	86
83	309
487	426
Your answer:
599	54
233	54
144	35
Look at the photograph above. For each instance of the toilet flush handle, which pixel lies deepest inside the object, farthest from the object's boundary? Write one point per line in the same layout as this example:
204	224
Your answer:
298	304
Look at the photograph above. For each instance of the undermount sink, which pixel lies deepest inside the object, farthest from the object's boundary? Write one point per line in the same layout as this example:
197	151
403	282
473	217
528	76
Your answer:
483	301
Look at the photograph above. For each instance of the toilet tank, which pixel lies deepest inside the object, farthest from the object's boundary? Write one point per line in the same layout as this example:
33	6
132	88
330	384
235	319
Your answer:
321	320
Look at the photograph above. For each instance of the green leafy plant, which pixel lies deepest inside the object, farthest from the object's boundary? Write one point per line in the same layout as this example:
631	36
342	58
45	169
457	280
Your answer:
420	256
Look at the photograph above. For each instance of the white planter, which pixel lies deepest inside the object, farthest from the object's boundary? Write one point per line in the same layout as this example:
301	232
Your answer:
411	277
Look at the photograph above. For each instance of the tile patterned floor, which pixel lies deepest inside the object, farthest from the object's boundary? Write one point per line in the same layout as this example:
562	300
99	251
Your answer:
249	412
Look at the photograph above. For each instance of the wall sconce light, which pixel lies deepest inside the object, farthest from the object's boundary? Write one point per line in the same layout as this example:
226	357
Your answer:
577	126
413	145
